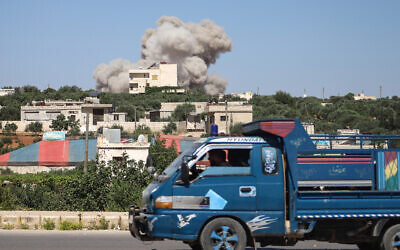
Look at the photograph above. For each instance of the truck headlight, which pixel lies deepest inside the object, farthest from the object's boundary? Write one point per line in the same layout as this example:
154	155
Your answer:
164	202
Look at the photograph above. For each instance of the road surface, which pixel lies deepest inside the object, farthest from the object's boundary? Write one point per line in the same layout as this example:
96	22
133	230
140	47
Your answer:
121	240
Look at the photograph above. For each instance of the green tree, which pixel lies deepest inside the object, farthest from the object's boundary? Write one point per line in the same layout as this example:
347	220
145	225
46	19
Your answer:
161	156
60	123
284	98
181	112
169	128
236	129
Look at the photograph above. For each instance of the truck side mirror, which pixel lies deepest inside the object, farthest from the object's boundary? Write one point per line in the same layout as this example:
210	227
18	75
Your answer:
149	165
185	170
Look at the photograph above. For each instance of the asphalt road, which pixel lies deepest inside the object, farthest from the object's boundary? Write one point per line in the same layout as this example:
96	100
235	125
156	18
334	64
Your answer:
98	240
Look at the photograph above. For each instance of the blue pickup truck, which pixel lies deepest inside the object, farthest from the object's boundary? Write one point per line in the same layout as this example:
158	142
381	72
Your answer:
274	187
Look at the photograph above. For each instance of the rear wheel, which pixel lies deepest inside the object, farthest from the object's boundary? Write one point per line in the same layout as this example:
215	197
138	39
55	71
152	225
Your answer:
223	233
391	238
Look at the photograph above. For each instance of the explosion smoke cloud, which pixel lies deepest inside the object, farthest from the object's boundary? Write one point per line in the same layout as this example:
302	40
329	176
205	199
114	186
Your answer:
193	46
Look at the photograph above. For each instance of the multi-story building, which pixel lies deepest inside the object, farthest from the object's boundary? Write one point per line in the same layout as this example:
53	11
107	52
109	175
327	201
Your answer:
48	110
156	75
4	92
227	114
222	114
167	108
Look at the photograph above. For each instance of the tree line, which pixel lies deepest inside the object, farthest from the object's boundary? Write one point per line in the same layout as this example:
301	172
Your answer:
381	116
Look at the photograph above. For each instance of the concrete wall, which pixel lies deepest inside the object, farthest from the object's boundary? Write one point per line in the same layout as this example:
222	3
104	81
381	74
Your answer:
36	219
22	124
128	126
34	169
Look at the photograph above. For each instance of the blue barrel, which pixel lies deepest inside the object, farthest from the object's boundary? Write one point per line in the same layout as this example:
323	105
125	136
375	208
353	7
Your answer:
214	130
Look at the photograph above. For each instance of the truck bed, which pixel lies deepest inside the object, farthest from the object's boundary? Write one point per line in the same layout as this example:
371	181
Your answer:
347	184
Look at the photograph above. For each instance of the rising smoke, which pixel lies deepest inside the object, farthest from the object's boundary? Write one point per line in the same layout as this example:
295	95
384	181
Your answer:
193	46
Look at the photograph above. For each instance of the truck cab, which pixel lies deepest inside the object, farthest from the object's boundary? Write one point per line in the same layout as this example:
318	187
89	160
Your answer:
271	186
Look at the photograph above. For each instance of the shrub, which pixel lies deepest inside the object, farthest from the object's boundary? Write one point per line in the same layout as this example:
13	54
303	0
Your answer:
67	225
24	226
103	224
8	226
35	127
112	188
10	128
48	224
6	140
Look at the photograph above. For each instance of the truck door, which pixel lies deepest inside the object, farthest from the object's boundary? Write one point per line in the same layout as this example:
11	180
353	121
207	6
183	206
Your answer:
227	189
270	190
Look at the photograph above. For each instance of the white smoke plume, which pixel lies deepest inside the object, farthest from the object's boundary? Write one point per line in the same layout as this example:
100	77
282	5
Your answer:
193	46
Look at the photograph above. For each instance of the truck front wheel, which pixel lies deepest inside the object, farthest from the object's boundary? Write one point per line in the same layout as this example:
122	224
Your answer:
391	238
223	233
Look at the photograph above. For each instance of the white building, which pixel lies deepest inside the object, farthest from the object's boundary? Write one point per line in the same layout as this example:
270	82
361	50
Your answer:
245	95
361	96
156	75
4	92
111	148
48	110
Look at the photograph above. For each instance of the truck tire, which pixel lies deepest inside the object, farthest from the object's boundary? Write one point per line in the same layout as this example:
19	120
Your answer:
391	238
223	233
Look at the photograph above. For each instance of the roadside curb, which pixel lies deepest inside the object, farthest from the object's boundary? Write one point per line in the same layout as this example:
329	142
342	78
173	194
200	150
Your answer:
87	220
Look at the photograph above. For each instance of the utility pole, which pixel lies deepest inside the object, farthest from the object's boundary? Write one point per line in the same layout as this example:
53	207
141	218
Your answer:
226	116
323	94
380	92
86	143
135	116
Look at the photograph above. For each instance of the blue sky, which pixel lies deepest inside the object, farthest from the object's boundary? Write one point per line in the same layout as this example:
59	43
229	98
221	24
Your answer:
343	46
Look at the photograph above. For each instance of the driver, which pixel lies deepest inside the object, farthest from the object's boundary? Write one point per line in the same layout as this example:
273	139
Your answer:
217	157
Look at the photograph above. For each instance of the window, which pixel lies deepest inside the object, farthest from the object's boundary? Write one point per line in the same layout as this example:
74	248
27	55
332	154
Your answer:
52	115
73	117
269	160
222	118
116	117
222	161
134	85
154	77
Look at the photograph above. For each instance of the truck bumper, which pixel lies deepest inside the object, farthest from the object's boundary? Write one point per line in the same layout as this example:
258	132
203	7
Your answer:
140	225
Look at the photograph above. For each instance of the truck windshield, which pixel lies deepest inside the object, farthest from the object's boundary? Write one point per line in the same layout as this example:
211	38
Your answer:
176	164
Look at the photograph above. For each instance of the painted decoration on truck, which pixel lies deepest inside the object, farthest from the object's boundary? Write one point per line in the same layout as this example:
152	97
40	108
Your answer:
391	171
269	160
388	166
184	221
260	222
